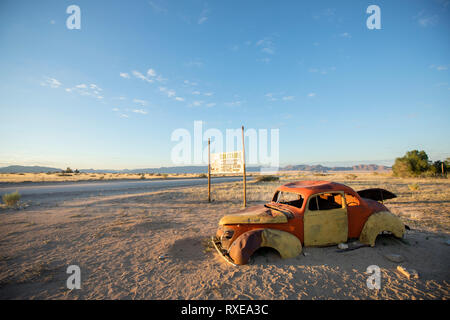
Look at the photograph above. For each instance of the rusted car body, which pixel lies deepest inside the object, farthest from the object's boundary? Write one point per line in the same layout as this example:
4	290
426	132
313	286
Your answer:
306	213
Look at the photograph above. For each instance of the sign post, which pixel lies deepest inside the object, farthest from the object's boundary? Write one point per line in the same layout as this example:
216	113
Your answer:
209	170
227	163
243	164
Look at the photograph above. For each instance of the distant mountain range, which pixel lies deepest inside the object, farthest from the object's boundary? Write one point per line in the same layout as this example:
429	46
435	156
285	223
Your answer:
197	169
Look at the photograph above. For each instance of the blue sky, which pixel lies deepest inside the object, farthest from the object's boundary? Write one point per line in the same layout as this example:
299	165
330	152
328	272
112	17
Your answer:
110	94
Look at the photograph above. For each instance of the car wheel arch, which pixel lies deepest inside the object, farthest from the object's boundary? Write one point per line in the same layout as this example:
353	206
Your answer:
378	223
285	243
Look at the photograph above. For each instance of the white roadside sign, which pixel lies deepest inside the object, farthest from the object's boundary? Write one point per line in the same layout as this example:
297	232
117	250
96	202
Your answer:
227	162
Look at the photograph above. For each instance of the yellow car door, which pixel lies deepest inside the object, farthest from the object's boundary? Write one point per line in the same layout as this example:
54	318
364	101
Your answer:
325	219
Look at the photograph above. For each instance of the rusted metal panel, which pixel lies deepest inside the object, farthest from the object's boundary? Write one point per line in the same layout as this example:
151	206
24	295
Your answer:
243	247
254	215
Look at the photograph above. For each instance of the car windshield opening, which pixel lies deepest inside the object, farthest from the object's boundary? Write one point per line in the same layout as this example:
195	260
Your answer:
289	198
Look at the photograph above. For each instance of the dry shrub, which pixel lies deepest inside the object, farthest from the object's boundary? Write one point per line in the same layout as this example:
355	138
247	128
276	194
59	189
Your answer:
11	199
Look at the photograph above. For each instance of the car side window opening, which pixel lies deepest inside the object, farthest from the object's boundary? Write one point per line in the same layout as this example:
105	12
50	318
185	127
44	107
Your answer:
289	198
326	201
351	200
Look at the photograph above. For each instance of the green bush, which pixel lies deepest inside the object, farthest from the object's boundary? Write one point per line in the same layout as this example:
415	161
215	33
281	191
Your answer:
11	199
202	175
413	164
351	176
267	178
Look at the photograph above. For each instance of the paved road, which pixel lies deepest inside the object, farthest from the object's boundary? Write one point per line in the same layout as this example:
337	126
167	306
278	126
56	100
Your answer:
70	190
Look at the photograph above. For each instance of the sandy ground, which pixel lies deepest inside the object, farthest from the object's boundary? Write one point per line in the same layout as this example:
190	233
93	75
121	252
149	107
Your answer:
155	246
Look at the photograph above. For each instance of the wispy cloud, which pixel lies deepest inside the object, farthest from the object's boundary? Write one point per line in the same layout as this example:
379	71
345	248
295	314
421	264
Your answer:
140	102
211	104
324	70
91	90
194	63
190	83
157	6
196	103
426	20
311	95
439	68
203	16
288	98
50	82
139	75
345	35
236	103
266	45
140	111
125	75
179	99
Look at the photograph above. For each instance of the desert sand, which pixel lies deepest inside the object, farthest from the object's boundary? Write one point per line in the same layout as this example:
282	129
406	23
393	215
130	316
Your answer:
156	246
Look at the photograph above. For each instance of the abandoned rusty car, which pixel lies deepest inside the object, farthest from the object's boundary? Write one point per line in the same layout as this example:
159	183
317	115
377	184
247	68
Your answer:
306	213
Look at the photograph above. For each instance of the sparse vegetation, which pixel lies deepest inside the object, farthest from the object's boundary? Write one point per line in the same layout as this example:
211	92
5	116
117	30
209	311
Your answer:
202	175
351	176
414	187
267	178
11	199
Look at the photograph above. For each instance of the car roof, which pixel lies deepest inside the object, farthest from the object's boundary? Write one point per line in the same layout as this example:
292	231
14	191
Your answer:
310	187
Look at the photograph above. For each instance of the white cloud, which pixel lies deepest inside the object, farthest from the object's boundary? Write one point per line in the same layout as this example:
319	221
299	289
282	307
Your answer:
140	111
322	70
203	16
196	92
51	82
141	102
439	68
194	63
123	115
345	35
179	98
266	45
157	6
189	83
288	98
115	109
208	94
125	75
209	105
81	86
171	93
233	103
311	95
139	75
426	20
151	73
197	103
265	60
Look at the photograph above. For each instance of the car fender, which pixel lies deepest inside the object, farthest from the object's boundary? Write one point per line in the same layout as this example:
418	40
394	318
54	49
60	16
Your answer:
287	245
379	222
